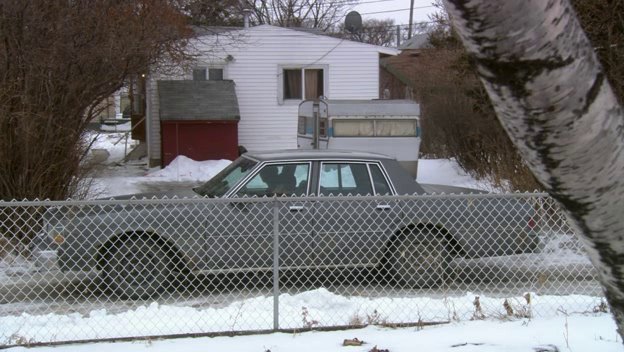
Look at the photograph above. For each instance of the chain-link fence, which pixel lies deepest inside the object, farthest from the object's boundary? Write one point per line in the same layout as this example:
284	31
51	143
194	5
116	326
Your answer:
81	270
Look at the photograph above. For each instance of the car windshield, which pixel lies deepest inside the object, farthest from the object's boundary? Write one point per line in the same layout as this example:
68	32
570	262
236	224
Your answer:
226	179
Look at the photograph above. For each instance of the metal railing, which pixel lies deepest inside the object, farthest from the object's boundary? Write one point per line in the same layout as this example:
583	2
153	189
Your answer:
82	270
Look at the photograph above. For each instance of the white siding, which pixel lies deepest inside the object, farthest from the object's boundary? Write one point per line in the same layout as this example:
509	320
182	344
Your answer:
255	68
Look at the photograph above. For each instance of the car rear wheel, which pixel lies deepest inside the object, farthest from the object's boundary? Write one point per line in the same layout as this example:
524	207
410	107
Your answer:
138	268
418	258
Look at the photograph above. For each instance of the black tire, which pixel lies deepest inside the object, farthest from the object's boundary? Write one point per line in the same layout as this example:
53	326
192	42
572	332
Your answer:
137	268
418	258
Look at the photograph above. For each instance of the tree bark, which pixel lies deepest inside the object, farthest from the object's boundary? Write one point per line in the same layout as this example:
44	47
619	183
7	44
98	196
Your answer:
553	99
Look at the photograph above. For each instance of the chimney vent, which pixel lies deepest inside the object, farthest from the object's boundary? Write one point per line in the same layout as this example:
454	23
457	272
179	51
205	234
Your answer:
246	14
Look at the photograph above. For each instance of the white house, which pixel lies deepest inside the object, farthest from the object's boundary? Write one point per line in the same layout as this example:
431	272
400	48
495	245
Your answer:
273	70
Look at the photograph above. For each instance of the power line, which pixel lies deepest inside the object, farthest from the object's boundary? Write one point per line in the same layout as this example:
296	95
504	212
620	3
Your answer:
404	26
348	2
367	2
397	10
320	58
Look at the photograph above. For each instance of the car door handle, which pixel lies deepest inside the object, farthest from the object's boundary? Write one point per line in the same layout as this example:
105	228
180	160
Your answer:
383	207
295	208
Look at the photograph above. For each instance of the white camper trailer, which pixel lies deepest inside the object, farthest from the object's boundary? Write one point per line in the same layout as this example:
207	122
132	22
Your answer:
388	127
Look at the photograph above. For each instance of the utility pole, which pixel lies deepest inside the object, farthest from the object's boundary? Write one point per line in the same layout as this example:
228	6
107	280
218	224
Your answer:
411	20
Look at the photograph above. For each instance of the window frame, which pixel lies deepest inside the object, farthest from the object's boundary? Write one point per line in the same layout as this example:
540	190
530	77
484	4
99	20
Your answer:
197	70
344	162
280	81
206	68
234	191
383	175
208	76
302	128
368	163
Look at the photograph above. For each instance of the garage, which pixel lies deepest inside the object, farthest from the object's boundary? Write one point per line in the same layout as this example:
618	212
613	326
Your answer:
199	119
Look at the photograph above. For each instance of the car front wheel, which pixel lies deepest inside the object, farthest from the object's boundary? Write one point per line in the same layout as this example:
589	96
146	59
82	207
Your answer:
418	258
137	268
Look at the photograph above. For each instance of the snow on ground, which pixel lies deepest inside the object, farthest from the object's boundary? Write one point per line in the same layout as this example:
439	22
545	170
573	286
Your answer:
186	169
447	172
313	308
117	177
595	332
320	307
574	333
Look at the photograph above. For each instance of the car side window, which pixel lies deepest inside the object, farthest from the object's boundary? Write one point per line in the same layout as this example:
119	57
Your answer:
277	179
379	181
344	178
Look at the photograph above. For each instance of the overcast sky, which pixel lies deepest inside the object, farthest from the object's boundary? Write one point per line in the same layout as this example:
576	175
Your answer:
395	9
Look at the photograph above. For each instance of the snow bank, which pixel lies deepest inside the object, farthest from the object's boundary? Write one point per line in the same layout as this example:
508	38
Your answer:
573	333
447	172
183	168
314	308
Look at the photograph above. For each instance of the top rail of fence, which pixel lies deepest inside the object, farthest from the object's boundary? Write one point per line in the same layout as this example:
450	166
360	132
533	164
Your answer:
138	200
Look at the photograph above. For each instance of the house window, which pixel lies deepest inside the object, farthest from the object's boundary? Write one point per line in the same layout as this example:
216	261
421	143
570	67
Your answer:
199	74
215	74
292	84
303	83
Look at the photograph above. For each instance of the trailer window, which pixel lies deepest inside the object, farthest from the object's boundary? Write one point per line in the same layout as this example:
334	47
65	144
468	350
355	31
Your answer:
375	128
301	125
305	125
396	128
323	128
353	128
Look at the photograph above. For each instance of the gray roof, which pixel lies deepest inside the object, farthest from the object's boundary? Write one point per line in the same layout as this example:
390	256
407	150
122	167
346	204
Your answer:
198	100
212	30
199	31
418	41
311	154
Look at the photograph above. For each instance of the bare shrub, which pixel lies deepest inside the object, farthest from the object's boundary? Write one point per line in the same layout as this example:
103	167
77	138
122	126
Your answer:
458	121
55	75
308	322
457	117
602	22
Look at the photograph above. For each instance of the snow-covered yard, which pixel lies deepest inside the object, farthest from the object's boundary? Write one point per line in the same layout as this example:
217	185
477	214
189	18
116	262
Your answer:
564	333
489	328
580	325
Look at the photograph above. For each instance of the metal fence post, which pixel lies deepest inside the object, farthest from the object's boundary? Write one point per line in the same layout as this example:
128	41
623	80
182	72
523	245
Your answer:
276	290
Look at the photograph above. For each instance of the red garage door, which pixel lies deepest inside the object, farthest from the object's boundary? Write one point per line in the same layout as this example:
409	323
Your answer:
199	140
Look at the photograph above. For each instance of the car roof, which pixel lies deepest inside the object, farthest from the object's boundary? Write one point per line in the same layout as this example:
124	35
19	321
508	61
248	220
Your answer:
313	154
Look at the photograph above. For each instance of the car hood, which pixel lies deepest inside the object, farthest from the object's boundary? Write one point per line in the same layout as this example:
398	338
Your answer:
432	188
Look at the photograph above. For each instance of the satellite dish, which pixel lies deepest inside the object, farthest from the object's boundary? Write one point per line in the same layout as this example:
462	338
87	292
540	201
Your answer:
353	22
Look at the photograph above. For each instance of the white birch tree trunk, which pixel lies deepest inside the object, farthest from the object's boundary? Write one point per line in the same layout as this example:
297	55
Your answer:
551	96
